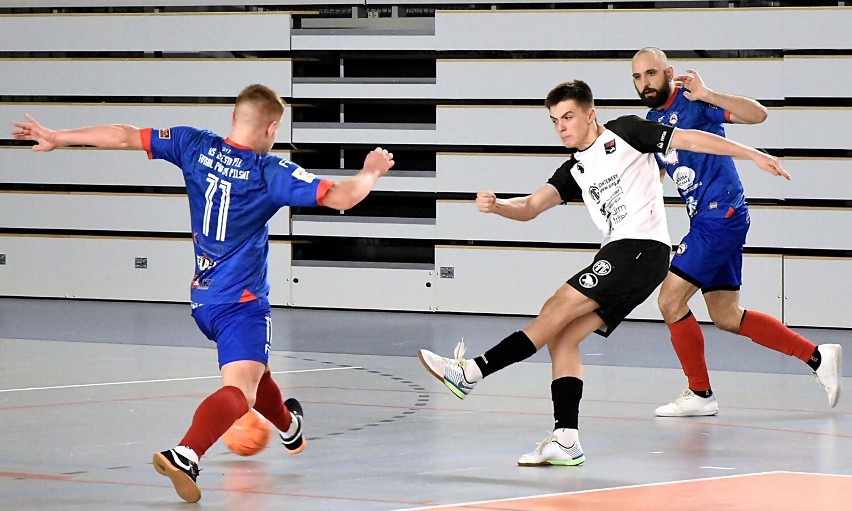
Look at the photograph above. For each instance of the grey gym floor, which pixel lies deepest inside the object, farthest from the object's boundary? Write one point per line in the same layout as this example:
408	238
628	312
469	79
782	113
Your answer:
89	390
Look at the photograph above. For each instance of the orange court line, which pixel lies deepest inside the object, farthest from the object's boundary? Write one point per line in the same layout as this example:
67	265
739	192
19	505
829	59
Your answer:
775	491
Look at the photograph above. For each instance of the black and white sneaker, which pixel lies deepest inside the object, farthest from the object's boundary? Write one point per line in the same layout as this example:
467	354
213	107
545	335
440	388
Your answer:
295	443
181	471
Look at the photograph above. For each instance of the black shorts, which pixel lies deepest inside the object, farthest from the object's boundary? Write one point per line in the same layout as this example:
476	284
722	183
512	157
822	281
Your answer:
623	274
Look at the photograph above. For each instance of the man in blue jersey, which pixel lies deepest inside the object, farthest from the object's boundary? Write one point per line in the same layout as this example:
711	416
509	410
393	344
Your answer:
709	257
234	187
613	171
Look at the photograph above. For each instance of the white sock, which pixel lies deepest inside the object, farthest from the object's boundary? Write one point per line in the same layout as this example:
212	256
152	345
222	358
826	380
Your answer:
187	453
472	372
294	426
566	436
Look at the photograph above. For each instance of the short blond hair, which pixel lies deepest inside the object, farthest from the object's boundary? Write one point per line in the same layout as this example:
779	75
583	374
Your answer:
266	100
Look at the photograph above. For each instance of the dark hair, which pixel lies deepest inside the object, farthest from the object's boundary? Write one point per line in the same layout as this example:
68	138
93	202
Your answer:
262	96
578	90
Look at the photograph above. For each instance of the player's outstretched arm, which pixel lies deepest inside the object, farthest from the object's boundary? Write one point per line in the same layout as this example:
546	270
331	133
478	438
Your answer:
702	142
351	191
743	110
519	208
117	136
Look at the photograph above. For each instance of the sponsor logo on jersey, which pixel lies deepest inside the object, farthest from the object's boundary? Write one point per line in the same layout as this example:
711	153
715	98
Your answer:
303	175
602	267
165	134
588	280
683	177
681	249
204	262
609	147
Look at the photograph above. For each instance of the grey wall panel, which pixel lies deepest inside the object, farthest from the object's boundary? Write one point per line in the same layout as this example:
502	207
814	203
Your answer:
373	227
341	41
503	281
816	292
801	72
146	32
159	3
460	220
216	118
155	213
280	259
393	181
813	178
500	173
609	79
88	166
306	133
142	77
595	30
518	281
98	268
816	228
375	89
362	288
530	126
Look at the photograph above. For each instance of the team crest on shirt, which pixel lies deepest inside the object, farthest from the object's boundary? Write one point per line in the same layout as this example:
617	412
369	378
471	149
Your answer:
609	147
595	193
165	134
601	267
588	280
579	167
681	249
673	118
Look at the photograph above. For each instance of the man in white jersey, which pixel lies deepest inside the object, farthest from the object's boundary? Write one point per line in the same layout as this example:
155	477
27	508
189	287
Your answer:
614	172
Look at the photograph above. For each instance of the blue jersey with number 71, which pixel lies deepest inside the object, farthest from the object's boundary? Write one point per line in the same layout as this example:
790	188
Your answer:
233	192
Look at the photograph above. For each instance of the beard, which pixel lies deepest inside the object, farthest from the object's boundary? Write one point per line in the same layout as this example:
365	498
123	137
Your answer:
657	100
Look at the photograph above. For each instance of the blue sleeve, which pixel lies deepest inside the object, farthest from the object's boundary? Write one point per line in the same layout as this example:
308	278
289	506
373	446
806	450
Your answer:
289	184
715	114
175	145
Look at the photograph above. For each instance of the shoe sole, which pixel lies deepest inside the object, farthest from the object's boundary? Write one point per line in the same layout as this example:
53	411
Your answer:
297	450
696	414
833	399
548	463
184	485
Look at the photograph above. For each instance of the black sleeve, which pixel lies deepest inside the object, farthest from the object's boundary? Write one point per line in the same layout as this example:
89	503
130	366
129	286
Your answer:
644	136
565	183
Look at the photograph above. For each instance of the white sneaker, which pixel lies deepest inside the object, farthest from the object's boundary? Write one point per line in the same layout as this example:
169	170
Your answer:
830	373
449	371
551	452
689	405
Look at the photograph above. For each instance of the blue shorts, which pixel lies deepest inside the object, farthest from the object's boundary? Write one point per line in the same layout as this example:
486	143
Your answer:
710	256
241	331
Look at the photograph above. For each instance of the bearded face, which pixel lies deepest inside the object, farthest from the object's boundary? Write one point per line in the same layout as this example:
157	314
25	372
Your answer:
656	97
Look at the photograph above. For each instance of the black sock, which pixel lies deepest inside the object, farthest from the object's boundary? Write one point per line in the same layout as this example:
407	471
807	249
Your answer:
815	360
512	349
703	393
566	393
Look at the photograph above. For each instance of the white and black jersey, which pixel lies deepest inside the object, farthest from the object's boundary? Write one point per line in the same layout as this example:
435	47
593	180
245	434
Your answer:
619	180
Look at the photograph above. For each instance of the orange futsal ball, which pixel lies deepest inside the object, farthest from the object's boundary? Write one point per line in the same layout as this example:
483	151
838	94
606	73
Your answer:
248	435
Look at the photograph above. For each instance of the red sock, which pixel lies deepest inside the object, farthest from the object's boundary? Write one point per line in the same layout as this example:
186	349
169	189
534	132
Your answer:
213	417
688	342
768	331
269	403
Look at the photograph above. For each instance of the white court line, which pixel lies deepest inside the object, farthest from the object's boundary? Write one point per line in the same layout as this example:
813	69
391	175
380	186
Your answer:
595	490
81	385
